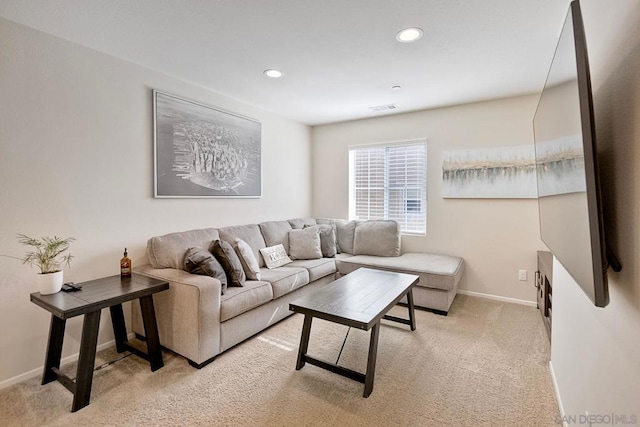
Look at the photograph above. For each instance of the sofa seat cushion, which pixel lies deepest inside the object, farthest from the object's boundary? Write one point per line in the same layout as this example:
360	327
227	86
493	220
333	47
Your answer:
435	271
285	279
236	301
318	268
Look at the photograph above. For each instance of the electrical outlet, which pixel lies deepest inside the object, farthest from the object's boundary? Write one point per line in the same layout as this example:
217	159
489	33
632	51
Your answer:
522	275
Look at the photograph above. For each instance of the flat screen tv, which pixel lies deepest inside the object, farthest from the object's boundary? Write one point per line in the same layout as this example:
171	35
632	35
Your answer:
571	222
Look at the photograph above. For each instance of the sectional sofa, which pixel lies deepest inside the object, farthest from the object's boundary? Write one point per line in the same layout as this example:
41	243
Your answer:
196	320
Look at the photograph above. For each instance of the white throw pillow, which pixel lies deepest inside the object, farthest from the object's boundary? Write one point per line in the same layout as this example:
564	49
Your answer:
275	256
248	260
305	243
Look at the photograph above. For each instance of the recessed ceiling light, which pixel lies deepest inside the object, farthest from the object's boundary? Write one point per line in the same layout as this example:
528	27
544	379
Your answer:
274	74
396	87
409	35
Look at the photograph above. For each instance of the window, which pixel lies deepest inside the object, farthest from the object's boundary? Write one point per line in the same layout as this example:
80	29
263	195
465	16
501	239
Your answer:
390	182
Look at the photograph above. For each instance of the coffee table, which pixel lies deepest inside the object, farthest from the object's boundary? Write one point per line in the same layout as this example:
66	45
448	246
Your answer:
359	300
95	295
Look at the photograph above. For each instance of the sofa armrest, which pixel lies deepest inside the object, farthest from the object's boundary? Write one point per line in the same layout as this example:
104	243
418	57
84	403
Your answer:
188	313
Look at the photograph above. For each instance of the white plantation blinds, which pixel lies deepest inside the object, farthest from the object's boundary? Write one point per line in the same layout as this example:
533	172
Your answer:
390	182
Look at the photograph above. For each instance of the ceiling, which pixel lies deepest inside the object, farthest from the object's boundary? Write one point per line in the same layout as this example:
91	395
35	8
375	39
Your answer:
339	57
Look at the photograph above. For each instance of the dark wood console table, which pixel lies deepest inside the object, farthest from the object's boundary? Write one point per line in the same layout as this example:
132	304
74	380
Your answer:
95	295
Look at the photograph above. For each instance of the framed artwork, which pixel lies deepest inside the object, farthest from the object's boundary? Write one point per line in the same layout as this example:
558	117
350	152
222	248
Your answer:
490	173
201	151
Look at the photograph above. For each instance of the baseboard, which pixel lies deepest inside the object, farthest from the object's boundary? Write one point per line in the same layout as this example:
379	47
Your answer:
555	388
38	371
498	298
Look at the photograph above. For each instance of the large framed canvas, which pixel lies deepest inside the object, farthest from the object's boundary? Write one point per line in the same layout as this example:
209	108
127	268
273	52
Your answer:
499	173
201	151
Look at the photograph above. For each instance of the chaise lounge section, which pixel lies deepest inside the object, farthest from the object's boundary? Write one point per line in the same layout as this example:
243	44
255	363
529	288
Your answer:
198	321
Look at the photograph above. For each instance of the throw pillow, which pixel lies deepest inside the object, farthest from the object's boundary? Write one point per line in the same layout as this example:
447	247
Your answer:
328	244
305	243
275	256
227	257
248	260
201	261
345	232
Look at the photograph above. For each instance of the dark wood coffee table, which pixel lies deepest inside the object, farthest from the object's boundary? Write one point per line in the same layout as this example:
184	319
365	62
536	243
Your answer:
359	300
95	295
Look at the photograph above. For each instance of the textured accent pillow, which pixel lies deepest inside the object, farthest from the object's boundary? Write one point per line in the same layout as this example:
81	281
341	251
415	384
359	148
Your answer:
227	257
275	256
201	261
328	243
305	243
248	260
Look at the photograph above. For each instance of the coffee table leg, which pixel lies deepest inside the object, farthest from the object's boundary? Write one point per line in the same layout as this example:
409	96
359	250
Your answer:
151	331
304	341
371	361
412	313
86	360
54	349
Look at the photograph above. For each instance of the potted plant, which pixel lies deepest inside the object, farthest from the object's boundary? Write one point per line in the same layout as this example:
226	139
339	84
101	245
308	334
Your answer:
48	255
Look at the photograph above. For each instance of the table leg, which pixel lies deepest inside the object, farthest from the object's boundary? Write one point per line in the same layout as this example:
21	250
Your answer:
119	327
54	349
371	361
304	341
86	360
412	312
151	331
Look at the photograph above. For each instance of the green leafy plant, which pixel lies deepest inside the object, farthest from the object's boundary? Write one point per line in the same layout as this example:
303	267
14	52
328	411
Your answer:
48	253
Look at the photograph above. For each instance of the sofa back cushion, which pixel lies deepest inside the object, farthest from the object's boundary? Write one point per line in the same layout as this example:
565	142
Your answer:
168	251
378	238
275	233
250	233
297	223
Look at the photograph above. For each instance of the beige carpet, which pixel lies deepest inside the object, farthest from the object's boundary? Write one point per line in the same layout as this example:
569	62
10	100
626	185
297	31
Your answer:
486	364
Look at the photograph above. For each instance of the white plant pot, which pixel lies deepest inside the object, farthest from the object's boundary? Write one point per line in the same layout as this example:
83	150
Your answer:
49	283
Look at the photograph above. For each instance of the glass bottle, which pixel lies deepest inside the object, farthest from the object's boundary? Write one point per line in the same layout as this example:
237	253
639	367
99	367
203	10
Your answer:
125	265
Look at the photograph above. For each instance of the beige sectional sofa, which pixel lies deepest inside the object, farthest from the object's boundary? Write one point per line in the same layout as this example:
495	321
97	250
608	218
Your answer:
198	322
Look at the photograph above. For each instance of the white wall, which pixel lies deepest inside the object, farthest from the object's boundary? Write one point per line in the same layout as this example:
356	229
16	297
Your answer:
76	148
496	237
595	352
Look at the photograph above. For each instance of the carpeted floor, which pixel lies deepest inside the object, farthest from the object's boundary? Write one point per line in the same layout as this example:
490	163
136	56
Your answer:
486	364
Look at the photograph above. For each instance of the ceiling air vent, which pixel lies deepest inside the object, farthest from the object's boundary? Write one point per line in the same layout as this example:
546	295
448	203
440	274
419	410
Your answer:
380	108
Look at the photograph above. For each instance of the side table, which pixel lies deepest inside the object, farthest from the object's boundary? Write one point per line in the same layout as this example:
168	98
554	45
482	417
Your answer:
95	295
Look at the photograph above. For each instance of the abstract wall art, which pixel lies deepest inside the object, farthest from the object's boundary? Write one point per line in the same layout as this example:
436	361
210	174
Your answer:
503	172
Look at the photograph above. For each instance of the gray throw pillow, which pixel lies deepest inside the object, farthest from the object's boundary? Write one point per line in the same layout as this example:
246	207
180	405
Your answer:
201	261
230	262
305	244
328	243
248	260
